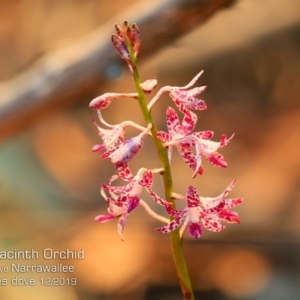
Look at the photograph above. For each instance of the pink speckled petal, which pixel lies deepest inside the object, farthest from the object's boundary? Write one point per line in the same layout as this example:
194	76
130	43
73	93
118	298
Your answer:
190	158
98	148
229	188
102	102
172	225
118	189
215	159
173	123
225	141
163	136
213	205
107	153
192	197
233	202
158	199
211	223
195	103
187	98
229	216
125	173
206	135
176	213
110	137
188	123
147	179
104	218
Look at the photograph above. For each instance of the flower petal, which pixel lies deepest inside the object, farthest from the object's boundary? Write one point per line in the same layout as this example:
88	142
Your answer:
192	197
171	226
229	216
175	213
147	179
163	136
158	199
206	135
210	223
188	98
103	101
173	122
233	202
118	189
125	173
110	137
229	188
188	123
193	161
104	218
225	141
121	225
215	159
195	230
98	148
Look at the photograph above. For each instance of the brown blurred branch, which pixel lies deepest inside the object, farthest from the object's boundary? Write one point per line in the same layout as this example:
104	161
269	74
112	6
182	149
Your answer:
59	79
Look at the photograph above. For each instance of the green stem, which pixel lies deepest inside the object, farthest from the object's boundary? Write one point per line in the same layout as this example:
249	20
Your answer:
176	241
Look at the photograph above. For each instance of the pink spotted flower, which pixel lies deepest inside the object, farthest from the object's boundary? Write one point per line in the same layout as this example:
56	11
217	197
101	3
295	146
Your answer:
128	198
203	211
180	135
123	152
113	135
183	97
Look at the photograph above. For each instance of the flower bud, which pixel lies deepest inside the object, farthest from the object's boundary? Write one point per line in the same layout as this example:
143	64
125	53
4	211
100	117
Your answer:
133	34
149	85
103	101
120	46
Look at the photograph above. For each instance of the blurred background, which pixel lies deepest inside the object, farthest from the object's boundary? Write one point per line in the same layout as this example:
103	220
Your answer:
49	178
